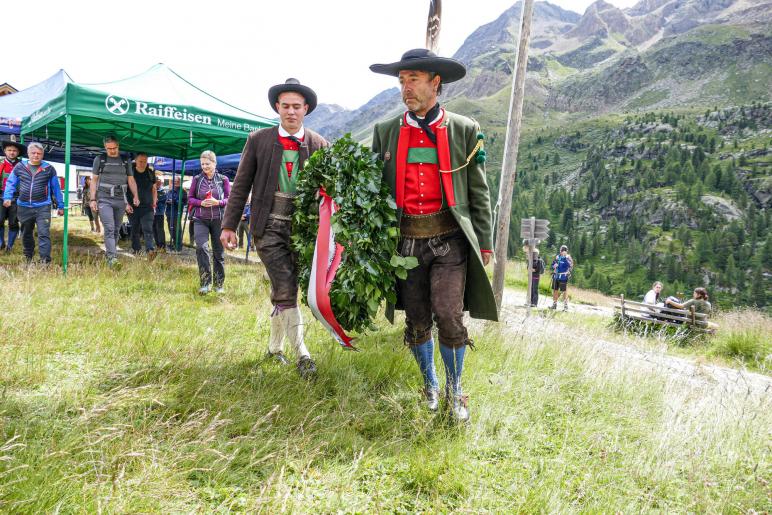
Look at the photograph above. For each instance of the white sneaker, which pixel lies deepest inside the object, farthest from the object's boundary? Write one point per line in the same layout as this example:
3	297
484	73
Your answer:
460	408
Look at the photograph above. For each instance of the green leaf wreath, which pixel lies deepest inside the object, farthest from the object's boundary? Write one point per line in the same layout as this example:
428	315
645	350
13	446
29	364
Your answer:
366	225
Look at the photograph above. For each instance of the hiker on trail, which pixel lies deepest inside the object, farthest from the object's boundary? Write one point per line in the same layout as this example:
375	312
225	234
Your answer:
32	183
172	203
113	176
208	196
537	269
159	234
562	266
437	178
141	218
92	214
699	300
12	153
270	163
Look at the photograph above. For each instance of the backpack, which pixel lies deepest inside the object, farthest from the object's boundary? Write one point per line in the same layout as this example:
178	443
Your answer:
103	161
124	231
561	267
539	266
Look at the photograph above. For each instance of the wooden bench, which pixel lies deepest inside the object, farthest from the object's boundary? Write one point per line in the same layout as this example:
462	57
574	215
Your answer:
630	310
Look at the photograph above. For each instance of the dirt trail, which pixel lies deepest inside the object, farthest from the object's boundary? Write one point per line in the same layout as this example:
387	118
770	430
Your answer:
717	382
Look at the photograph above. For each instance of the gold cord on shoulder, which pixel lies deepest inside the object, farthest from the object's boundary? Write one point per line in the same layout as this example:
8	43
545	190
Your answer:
477	147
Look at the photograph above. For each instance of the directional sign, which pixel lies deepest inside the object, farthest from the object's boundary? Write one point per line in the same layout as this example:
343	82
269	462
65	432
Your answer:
531	228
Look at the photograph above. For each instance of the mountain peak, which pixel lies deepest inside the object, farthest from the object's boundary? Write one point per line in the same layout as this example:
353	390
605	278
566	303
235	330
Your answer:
601	19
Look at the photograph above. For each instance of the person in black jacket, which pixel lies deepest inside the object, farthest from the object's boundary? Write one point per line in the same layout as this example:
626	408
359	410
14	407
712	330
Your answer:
537	268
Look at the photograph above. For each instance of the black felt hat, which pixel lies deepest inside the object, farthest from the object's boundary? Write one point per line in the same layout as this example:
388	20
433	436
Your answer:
292	85
13	143
422	59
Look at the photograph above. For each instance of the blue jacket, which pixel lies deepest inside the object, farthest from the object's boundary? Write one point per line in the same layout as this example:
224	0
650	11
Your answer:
562	267
33	190
160	207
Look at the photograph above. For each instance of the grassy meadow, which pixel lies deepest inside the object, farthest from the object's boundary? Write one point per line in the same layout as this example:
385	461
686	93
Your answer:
125	392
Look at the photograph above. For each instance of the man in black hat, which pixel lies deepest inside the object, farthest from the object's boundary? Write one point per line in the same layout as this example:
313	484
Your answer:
434	165
13	151
270	163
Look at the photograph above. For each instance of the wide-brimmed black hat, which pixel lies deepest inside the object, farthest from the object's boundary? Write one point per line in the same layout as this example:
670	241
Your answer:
13	143
292	85
422	59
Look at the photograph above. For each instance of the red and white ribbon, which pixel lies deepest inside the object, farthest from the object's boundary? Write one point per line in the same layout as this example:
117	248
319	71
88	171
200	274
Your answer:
327	256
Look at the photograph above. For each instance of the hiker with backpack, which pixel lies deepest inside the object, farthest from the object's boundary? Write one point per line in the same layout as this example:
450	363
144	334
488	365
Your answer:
537	269
208	196
562	266
113	176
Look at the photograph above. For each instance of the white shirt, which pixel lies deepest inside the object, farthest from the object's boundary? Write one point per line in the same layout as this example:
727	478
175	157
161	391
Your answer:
651	298
414	123
299	134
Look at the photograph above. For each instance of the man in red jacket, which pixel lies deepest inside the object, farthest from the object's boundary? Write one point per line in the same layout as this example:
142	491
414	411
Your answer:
13	152
270	163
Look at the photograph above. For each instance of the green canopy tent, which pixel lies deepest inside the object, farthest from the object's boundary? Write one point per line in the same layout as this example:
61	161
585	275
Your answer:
157	112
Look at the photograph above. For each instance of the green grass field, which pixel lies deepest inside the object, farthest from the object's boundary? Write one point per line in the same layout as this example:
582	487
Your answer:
125	392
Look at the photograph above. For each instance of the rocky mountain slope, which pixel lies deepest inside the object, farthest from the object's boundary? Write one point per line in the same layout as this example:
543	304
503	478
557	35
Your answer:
657	54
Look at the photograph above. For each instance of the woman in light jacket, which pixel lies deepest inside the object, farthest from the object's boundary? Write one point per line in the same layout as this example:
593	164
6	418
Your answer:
208	197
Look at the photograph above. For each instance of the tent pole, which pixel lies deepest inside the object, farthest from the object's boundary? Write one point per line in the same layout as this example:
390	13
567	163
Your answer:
178	215
67	138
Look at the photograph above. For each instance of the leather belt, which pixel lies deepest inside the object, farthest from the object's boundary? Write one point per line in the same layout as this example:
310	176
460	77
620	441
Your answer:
428	226
283	206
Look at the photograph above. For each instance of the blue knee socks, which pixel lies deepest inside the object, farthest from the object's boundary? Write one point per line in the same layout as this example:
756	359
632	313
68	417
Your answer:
454	365
424	355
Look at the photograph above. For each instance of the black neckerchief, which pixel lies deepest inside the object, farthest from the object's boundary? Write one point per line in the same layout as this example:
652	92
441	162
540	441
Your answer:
424	122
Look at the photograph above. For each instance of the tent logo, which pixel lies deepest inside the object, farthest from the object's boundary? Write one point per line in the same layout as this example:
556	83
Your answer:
117	105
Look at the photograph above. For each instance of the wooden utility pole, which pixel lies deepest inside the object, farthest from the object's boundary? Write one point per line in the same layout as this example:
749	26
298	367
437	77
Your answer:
509	162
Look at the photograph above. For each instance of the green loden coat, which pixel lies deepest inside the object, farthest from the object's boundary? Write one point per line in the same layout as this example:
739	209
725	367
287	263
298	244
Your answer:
471	207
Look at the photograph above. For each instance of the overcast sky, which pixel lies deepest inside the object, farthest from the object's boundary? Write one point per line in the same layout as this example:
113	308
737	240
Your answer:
237	50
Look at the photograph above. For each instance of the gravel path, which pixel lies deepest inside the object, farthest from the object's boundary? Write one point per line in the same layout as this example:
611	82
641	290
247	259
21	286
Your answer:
729	386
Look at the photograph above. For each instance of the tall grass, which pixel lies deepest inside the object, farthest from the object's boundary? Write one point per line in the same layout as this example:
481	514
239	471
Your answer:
127	392
745	337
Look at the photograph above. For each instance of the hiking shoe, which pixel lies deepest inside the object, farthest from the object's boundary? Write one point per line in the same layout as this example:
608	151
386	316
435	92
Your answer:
307	368
278	358
204	290
554	306
2	245
432	398
151	255
459	408
565	307
113	264
219	290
